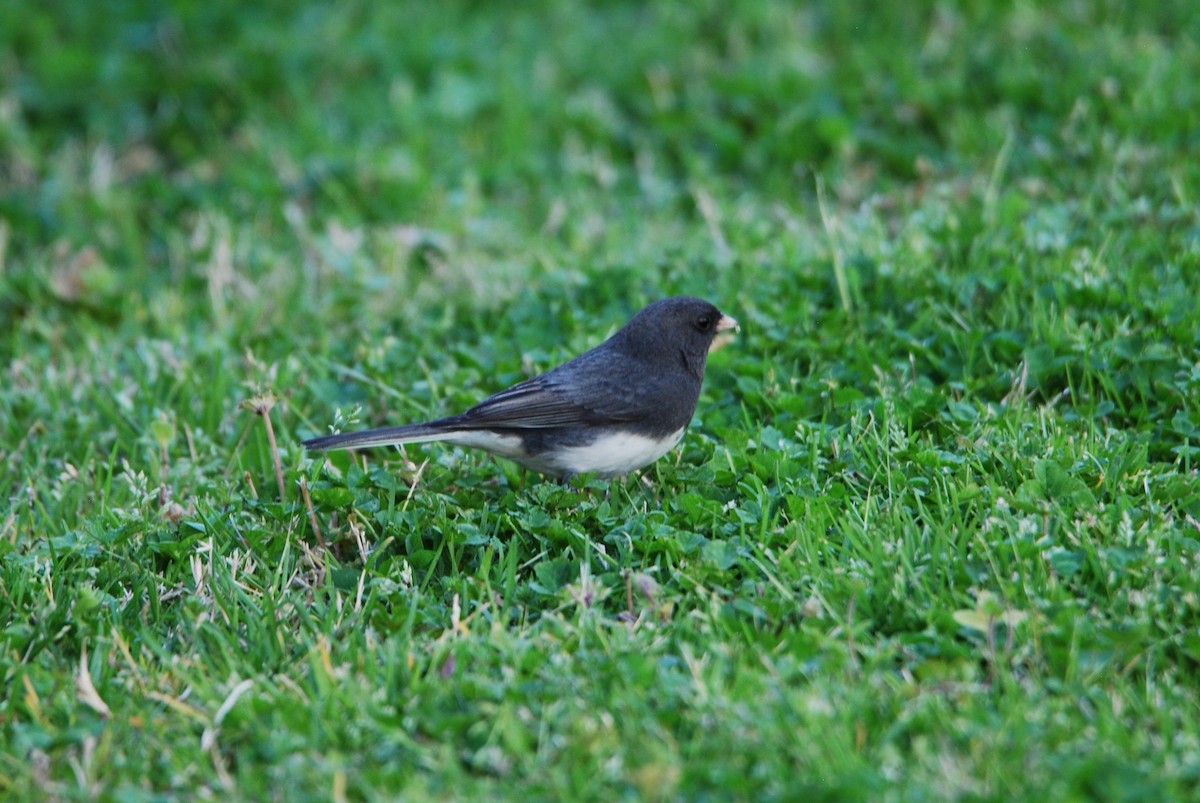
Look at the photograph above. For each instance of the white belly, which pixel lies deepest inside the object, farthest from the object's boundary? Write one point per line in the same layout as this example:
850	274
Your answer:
616	454
608	456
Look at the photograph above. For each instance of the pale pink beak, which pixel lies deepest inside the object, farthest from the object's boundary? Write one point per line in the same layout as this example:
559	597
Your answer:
722	340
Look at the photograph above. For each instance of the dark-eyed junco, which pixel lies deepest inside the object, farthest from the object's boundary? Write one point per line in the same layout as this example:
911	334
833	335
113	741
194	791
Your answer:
617	408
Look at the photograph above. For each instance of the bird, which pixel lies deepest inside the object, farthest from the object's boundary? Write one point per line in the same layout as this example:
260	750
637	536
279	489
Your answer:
606	413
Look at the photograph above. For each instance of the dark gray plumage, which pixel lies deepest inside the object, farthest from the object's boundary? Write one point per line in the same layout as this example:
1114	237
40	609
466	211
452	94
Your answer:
616	408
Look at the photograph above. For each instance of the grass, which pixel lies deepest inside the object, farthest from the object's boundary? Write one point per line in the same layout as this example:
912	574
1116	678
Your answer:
932	535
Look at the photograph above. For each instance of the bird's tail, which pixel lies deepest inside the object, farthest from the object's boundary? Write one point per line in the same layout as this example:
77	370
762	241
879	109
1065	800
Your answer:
388	436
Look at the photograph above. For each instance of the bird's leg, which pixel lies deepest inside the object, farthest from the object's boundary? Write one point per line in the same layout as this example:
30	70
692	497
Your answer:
655	488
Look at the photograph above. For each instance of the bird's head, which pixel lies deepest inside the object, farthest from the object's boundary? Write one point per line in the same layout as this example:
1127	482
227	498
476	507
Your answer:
674	326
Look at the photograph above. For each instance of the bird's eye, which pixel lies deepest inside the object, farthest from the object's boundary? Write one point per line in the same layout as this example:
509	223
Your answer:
703	322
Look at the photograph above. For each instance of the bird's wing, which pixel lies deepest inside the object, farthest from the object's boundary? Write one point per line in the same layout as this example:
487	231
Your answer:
574	394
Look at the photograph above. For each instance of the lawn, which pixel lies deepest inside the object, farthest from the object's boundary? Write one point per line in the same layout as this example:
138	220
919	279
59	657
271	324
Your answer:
933	533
